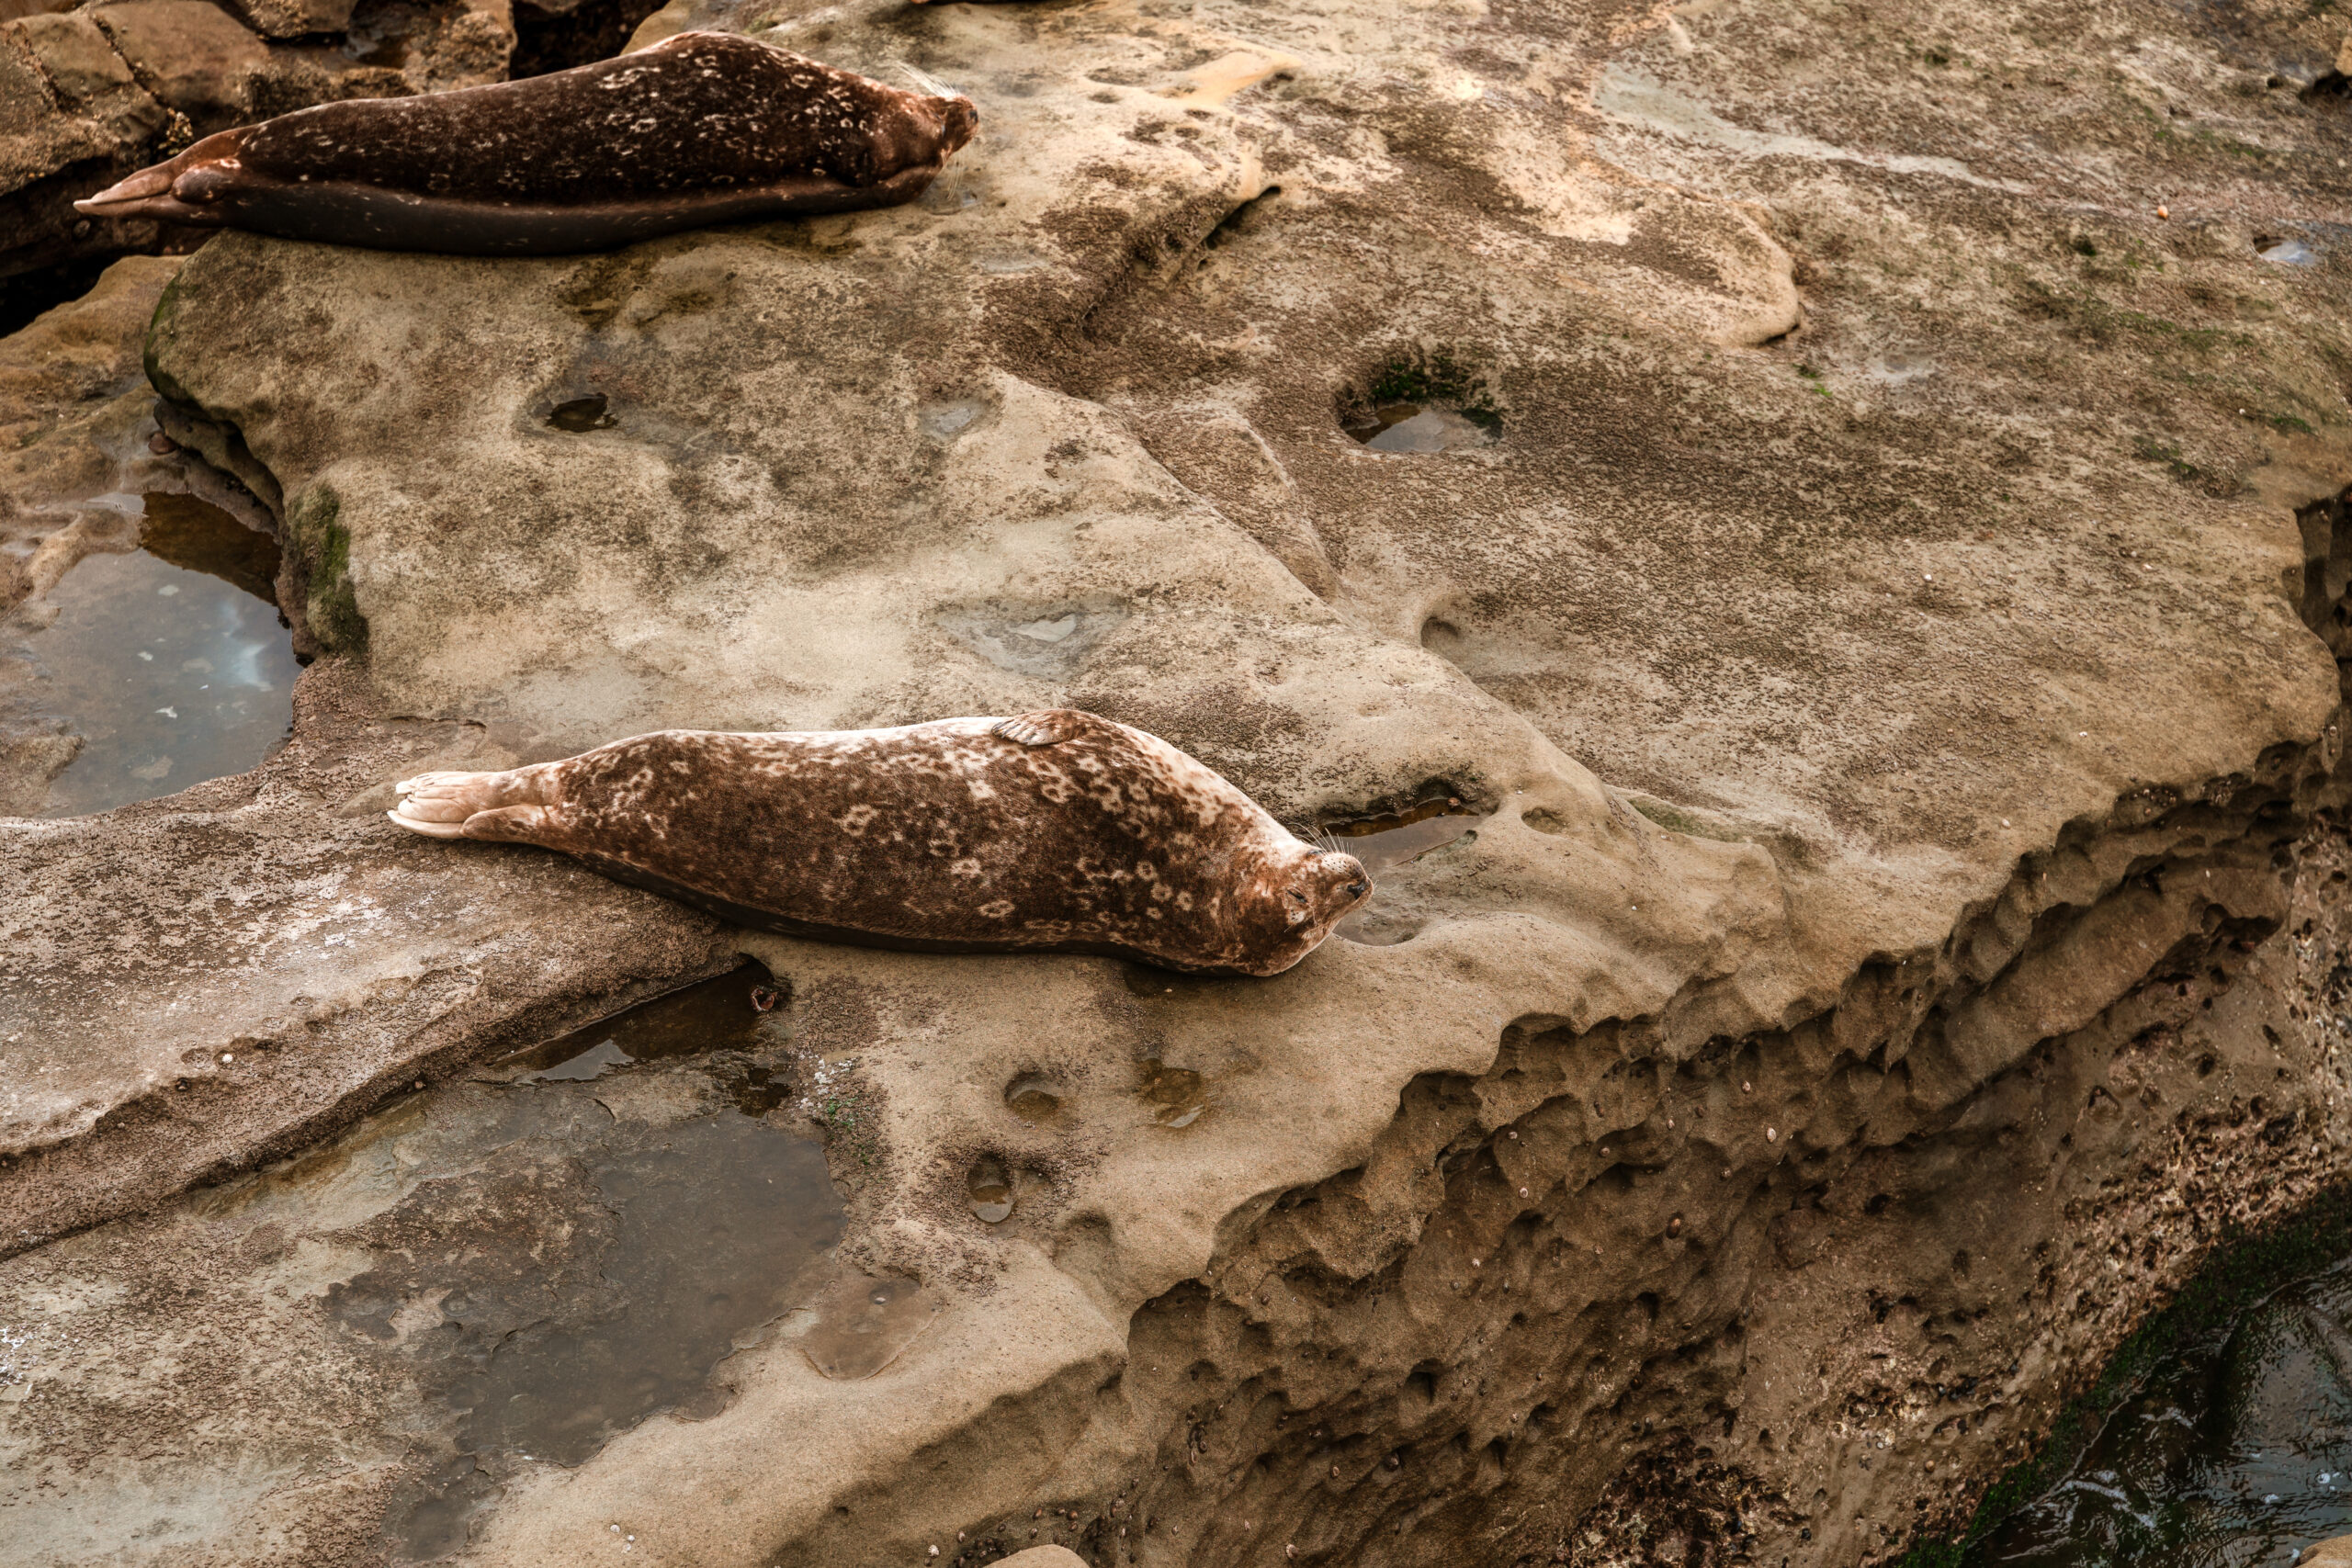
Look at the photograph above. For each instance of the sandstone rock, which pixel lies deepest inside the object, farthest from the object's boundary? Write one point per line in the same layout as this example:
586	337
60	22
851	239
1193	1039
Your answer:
294	18
90	95
191	55
2332	1553
1889	676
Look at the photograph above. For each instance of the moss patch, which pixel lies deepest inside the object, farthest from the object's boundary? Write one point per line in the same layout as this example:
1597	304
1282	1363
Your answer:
315	530
1437	377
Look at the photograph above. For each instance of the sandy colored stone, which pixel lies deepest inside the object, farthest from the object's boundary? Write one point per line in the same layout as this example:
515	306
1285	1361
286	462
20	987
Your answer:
2332	1553
1891	644
191	54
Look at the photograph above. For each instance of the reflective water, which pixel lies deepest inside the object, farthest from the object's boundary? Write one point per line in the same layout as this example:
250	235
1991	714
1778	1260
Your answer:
2232	1455
863	1323
597	1225
1034	1099
1418	428
165	661
581	415
1382	843
1386	845
990	1191
720	1013
1174	1097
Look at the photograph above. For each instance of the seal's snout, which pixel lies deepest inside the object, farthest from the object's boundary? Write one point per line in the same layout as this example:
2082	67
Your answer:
959	121
1345	882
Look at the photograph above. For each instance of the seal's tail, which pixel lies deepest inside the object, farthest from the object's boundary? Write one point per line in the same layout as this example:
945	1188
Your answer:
510	806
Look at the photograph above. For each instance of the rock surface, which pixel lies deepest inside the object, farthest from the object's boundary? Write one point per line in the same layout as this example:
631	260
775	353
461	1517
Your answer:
90	95
1888	645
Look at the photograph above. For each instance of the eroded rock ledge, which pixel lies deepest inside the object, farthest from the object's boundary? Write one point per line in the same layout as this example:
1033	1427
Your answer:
1880	642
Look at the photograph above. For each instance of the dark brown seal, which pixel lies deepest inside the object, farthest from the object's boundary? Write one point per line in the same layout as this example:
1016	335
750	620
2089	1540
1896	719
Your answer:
1054	831
702	127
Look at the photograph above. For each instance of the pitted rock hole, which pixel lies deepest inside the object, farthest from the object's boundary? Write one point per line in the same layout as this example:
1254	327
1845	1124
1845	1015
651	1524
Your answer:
1415	429
575	1253
379	35
557	35
578	416
989	1187
2285	252
1035	1100
1046	640
2238	1449
945	422
142	673
1173	1096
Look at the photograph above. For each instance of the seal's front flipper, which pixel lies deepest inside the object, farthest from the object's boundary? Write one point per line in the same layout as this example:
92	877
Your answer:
1048	727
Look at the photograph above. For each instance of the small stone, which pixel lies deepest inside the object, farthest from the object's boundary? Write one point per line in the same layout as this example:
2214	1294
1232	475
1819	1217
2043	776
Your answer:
162	445
2163	211
1771	1135
228	1056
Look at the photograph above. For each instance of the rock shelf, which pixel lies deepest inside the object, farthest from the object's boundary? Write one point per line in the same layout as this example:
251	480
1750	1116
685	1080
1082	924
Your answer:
1889	651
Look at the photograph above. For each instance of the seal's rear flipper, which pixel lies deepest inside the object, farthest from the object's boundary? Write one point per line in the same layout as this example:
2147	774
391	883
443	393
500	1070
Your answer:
430	829
143	194
1050	727
501	805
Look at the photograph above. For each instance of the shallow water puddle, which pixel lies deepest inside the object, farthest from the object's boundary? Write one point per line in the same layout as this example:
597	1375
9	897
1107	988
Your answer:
588	1231
2237	1452
1418	428
1033	1098
864	1322
724	1012
989	1189
1384	844
169	662
1174	1097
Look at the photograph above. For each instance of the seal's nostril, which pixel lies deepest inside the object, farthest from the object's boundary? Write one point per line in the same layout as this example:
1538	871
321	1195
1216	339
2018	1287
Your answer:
1355	889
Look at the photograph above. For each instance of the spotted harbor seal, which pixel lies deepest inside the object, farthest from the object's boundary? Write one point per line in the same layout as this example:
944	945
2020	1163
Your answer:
702	127
1053	831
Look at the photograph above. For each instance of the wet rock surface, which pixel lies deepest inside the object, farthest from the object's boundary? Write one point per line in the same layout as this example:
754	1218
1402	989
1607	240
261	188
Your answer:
1881	648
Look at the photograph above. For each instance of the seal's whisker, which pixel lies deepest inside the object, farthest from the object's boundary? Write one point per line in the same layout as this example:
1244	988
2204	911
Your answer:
931	84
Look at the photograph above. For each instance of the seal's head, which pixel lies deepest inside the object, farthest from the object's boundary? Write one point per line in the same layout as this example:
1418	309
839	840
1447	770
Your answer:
958	119
949	117
1299	893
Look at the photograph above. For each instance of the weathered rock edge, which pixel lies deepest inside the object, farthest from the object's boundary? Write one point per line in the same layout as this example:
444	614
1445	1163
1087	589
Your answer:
1484	1334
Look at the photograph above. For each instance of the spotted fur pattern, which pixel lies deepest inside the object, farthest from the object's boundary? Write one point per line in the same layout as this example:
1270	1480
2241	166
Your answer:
1056	831
700	127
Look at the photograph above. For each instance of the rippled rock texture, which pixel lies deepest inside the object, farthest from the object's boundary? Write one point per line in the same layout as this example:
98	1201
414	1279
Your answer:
1882	603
